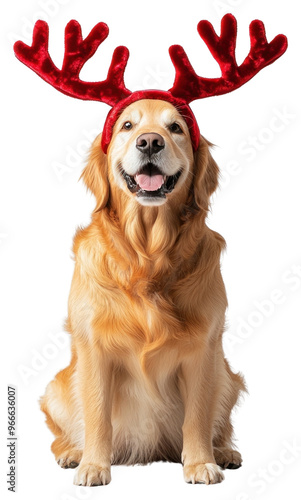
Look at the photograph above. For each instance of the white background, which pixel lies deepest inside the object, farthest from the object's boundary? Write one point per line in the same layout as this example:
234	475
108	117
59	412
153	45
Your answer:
257	210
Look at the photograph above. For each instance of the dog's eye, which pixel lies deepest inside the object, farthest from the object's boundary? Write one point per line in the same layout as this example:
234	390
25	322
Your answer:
127	126
175	128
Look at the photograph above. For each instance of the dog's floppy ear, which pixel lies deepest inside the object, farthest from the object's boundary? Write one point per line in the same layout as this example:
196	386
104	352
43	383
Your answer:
206	174
95	174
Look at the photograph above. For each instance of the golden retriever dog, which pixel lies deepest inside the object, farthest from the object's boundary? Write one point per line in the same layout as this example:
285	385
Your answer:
148	379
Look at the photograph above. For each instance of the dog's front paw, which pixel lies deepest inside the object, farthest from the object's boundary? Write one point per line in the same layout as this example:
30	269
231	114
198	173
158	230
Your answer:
92	475
203	473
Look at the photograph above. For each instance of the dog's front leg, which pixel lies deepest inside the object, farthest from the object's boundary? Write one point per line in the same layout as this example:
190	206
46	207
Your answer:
94	375
199	392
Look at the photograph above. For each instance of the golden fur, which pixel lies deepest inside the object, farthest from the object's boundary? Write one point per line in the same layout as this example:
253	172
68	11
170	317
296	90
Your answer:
148	379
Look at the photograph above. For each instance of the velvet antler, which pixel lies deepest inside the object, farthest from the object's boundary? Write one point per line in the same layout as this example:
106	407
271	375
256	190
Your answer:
77	52
189	86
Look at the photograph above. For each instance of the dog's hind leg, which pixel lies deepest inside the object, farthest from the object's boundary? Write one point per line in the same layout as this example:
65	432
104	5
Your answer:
224	451
63	418
66	456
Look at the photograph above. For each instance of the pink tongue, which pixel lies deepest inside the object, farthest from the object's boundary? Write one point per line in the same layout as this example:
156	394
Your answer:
149	183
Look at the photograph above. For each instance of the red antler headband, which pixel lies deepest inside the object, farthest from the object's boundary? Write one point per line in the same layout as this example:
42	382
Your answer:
187	86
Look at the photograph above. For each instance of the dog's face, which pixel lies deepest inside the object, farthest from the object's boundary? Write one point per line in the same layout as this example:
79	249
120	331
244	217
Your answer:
150	154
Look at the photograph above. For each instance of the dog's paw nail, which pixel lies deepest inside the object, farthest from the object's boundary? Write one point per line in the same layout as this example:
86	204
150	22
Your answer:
73	465
207	473
233	466
92	475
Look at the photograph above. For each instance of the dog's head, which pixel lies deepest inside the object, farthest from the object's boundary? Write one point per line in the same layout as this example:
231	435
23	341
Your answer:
150	154
150	160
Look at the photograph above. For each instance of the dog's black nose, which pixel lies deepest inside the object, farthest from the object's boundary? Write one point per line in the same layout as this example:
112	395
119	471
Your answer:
150	143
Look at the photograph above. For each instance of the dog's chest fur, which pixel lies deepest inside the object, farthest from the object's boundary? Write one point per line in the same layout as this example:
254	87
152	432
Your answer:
147	408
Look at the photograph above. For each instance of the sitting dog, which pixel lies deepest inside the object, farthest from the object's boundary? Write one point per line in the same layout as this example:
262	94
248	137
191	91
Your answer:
148	379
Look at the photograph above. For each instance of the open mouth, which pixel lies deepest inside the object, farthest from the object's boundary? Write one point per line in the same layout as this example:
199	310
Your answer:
150	182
